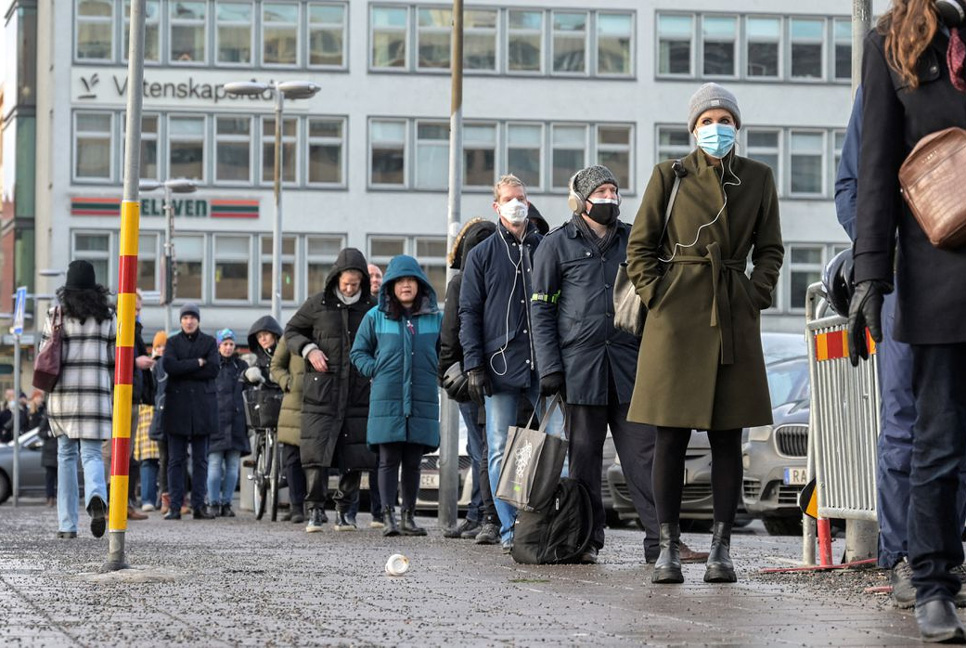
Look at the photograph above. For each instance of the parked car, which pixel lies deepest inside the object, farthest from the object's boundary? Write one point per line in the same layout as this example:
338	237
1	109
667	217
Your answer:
32	474
428	498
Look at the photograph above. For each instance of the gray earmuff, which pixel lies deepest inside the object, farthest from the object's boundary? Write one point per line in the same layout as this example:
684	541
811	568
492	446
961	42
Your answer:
952	12
575	201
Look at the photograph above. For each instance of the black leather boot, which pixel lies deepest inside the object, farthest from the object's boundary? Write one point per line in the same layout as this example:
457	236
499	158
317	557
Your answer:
407	525
720	568
667	569
389	519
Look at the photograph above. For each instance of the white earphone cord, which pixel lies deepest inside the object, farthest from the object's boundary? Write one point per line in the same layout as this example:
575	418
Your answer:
501	352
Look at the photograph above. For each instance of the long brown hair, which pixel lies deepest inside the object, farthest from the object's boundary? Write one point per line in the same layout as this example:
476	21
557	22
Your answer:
909	26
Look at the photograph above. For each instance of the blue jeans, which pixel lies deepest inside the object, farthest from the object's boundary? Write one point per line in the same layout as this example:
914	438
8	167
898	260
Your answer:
149	481
177	457
474	446
67	490
222	476
501	413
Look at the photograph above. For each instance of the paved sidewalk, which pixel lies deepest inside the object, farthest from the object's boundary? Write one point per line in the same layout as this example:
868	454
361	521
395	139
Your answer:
242	582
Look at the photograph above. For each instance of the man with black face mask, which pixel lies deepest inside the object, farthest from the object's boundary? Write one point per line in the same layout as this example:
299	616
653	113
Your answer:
582	356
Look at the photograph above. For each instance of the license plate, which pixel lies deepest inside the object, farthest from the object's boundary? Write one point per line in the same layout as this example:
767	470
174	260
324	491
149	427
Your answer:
796	476
430	480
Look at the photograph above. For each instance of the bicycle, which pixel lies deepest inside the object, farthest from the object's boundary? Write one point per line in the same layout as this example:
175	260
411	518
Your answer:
261	412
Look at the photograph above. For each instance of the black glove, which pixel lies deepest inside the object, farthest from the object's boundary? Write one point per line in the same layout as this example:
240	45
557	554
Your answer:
478	385
552	384
865	310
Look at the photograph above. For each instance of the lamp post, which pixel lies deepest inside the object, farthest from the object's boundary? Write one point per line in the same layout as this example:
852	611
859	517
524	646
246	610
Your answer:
172	186
283	90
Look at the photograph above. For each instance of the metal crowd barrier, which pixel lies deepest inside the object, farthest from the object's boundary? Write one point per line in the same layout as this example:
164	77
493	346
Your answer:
843	425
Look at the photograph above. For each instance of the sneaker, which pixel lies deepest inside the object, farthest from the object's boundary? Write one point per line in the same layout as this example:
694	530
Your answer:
297	517
98	512
377	522
903	593
343	522
466	529
960	572
489	534
316	519
148	508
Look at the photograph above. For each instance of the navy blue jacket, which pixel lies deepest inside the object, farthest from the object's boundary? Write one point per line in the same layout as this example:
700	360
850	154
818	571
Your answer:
231	433
573	316
494	313
847	178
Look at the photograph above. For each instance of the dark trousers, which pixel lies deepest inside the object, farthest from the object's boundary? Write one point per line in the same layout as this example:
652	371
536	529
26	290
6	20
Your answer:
481	501
292	467
586	430
348	493
177	459
163	466
391	457
375	502
938	447
50	481
316	486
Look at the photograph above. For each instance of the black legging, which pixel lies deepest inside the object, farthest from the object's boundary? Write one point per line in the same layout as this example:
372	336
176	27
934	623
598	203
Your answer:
669	455
390	456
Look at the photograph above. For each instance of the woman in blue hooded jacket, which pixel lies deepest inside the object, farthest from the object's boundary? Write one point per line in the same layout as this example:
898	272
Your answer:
397	347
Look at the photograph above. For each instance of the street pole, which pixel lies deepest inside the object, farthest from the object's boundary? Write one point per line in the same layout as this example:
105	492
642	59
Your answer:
277	229
449	439
126	296
861	23
16	419
168	253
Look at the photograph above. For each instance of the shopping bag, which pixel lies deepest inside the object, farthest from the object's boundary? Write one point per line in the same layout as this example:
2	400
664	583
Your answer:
47	362
532	462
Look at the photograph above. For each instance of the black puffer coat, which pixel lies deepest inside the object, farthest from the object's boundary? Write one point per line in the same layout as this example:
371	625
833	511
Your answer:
231	433
263	357
339	397
191	403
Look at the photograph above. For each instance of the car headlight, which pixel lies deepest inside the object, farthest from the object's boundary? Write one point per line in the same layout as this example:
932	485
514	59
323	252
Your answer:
759	433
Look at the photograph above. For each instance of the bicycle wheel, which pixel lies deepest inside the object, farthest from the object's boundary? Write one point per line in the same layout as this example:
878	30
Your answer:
274	474
260	476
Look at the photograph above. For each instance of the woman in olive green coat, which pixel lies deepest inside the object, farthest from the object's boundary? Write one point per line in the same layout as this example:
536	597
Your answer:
287	370
701	364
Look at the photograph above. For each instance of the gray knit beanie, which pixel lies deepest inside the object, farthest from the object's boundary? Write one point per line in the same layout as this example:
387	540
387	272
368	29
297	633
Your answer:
587	180
190	308
708	96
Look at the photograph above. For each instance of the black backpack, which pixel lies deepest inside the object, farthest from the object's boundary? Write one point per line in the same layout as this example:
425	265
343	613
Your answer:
558	534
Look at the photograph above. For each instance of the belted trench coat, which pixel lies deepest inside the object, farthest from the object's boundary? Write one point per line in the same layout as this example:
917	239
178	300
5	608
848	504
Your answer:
701	364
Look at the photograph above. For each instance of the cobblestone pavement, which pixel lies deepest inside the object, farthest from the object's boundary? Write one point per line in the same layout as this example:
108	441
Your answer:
242	582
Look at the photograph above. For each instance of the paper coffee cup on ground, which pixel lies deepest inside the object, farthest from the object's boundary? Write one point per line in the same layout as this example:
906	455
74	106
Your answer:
397	565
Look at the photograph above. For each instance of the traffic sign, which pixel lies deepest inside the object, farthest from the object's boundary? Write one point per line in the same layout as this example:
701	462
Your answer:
19	310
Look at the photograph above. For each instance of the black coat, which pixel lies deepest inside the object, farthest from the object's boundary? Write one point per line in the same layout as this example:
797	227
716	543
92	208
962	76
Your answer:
160	378
932	302
191	403
573	326
231	433
263	357
337	399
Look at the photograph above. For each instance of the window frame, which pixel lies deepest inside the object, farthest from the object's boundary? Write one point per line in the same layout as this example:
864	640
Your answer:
218	257
628	187
692	45
475	146
779	48
323	260
125	29
508	32
111	22
586	149
407	39
418	29
343	157
152	253
205	23
735	45
431	144
632	73
112	143
265	258
295	27
790	44
97	255
170	137
588	63
823	171
218	139
794	267
661	151
834	43
287	140
406	149
779	152
346	31
541	149
251	34
497	61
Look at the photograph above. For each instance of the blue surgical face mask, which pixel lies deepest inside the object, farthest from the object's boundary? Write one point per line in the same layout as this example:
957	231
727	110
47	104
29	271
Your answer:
716	140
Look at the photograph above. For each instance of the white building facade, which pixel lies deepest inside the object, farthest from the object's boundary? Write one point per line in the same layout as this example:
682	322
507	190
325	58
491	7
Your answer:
550	87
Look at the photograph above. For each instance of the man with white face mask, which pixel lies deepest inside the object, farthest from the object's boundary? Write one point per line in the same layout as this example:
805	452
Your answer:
498	354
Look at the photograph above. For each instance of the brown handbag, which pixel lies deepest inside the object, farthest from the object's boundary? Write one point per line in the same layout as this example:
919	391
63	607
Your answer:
933	181
47	363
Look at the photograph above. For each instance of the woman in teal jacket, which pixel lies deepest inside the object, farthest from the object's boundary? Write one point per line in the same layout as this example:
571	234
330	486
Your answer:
397	347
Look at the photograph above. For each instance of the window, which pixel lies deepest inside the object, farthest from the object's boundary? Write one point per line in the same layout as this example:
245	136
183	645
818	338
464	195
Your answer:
432	155
187	25
234	32
93	146
325	159
186	147
614	152
479	40
431	254
805	268
838	141
673	143
152	31
390	30
150	149
233	155
96	248
95	30
387	158
524	153
569	42
674	36
806	171
433	30
479	155
524	41
568	154
719	36
326	35
321	253
232	259
280	40
843	49
148	261
763	36
614	35
287	268
763	145
806	47
189	254
289	143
